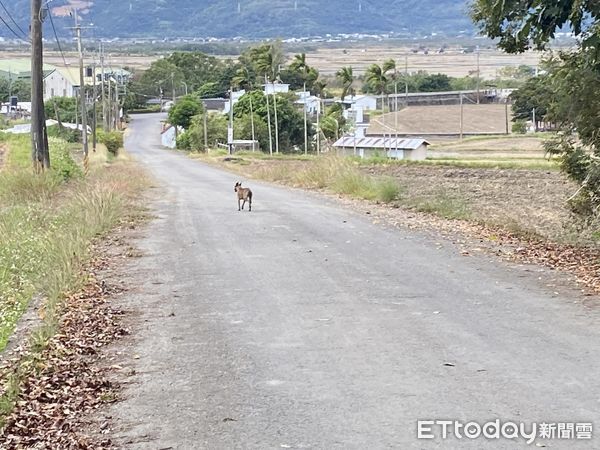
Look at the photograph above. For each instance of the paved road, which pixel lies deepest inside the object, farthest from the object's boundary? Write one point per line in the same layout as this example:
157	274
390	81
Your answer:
305	325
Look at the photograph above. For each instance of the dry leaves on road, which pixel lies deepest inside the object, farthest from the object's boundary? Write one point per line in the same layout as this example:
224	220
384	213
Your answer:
68	381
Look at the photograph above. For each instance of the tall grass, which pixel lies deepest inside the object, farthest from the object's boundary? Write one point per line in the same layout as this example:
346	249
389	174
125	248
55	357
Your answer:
47	224
338	174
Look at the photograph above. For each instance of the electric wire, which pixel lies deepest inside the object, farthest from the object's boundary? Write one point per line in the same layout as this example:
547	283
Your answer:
13	20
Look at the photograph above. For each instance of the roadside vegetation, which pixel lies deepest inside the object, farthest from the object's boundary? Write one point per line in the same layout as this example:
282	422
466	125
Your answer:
48	223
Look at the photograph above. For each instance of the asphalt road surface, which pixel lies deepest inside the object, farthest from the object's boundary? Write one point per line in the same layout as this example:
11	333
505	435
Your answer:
305	325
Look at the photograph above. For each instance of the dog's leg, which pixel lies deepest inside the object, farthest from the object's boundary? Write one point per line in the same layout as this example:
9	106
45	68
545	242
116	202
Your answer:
239	203
243	204
250	204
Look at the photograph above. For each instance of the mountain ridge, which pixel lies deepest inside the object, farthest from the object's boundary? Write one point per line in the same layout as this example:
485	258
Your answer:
255	18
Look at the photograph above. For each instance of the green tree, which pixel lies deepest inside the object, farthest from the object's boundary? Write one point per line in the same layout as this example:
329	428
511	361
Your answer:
216	132
182	112
534	94
435	83
291	121
66	107
346	78
573	77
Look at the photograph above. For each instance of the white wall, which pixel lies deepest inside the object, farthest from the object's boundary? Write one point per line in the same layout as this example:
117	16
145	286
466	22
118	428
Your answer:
56	85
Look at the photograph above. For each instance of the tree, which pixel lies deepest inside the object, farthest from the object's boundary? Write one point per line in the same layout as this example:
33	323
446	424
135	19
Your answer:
216	131
182	112
521	24
435	83
573	78
377	77
346	78
66	107
534	94
291	122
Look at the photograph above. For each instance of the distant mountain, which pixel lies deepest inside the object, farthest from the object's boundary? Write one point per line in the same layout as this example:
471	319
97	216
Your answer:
253	18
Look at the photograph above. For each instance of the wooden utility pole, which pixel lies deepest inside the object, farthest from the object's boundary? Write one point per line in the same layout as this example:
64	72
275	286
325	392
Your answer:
84	135
104	121
94	117
252	124
205	129
461	115
39	137
276	121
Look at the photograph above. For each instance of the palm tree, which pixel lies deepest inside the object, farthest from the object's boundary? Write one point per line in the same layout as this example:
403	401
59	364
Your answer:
377	78
346	78
299	64
243	79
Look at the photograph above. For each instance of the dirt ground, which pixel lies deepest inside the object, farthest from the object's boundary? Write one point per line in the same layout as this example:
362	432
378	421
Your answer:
523	201
330	60
444	120
451	62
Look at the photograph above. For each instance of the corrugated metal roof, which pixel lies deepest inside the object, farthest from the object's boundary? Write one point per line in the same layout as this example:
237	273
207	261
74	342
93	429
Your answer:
380	142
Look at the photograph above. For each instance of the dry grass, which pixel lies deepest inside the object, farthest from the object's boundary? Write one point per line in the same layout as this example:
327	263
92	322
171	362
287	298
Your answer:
477	119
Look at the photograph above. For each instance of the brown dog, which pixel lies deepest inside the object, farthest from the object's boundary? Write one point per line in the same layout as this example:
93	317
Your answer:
244	194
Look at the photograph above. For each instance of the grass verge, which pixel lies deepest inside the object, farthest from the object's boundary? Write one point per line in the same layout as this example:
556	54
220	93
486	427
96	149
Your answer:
47	225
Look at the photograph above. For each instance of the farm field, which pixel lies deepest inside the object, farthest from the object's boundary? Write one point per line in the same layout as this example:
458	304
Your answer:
329	60
430	120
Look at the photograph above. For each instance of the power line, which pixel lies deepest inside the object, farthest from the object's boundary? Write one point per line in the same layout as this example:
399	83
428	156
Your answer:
9	27
13	20
56	37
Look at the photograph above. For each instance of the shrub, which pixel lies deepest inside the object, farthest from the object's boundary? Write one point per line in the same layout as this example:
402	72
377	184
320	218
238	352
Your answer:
519	127
113	140
62	164
184	141
67	134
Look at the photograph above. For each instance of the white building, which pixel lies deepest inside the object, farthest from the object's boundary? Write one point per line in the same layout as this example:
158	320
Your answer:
366	102
311	101
388	146
60	83
235	97
276	88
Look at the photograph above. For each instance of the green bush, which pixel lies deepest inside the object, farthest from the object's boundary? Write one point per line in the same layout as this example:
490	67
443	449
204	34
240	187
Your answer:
519	127
113	140
67	134
62	163
184	141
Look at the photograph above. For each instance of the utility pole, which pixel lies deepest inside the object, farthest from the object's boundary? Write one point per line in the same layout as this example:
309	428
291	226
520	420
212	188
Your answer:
117	105
104	121
269	117
506	114
230	127
478	75
39	137
305	124
276	122
84	136
461	115
252	124
318	124
205	129
94	117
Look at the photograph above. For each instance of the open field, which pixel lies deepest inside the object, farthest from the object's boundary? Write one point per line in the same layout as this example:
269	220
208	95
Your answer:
428	120
329	60
451	62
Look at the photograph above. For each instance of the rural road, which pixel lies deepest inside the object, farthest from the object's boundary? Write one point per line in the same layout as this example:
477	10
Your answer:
305	325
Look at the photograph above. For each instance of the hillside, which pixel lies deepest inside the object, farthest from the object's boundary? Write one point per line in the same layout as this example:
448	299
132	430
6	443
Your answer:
255	18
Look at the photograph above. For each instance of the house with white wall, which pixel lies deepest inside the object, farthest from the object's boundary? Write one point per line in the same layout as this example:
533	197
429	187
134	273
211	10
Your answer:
367	146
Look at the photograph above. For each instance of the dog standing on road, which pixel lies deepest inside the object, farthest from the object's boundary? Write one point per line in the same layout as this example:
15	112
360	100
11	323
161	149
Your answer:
244	194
